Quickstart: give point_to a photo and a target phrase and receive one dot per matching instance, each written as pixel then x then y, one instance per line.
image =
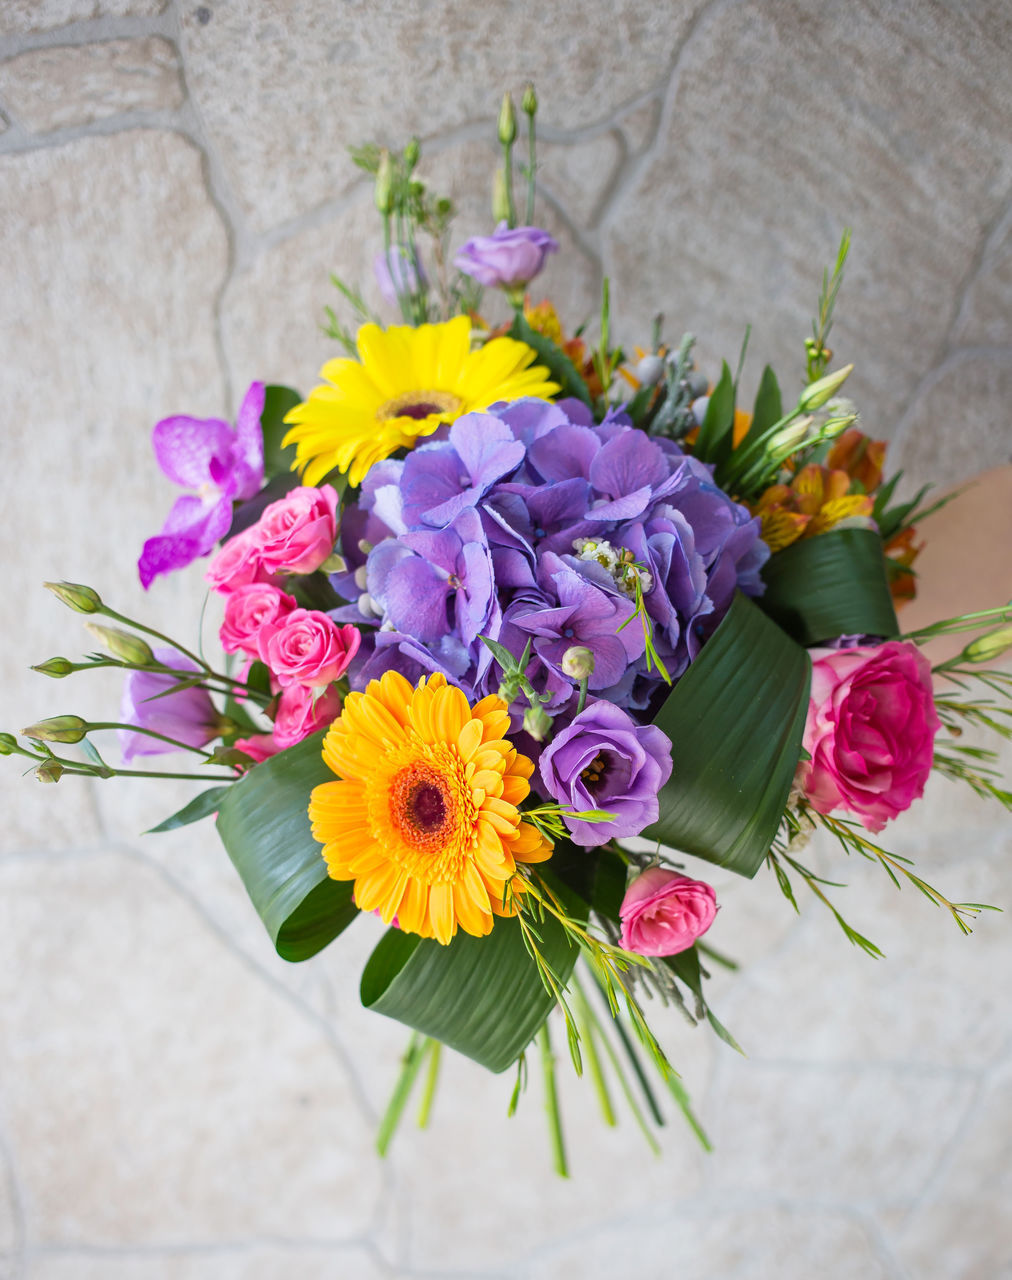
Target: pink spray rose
pixel 247 610
pixel 297 533
pixel 237 564
pixel 300 713
pixel 260 746
pixel 664 912
pixel 870 731
pixel 307 647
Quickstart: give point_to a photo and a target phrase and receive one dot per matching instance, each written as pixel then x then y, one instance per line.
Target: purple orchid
pixel 189 716
pixel 221 464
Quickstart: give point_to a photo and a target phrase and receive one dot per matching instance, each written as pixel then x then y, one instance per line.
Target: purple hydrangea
pixel 507 259
pixel 221 464
pixel 531 523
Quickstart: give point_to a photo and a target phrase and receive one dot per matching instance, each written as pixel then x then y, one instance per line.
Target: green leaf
pixel 768 407
pixel 277 402
pixel 201 806
pixel 831 585
pixel 555 360
pixel 735 721
pixel 264 825
pixel 480 996
pixel 716 434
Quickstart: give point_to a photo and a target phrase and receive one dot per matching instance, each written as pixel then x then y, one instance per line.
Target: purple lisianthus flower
pixel 221 464
pixel 189 716
pixel 507 258
pixel 604 760
pixel 399 273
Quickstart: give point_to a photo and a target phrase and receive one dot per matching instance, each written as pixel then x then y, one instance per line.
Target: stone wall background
pixel 175 1102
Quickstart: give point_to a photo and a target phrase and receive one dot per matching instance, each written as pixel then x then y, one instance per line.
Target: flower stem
pixel 581 701
pixel 149 733
pixel 590 1029
pixel 158 635
pixel 431 1079
pixel 411 1062
pixel 552 1102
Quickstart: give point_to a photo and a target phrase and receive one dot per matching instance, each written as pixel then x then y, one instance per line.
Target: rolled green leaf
pixel 735 720
pixel 831 585
pixel 555 360
pixel 277 402
pixel 480 996
pixel 264 825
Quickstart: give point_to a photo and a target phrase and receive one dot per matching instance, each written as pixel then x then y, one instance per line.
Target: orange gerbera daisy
pixel 425 816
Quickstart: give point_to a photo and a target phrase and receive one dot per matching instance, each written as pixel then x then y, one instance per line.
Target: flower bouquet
pixel 513 622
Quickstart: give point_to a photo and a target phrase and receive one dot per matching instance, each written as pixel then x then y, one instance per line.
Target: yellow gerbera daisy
pixel 424 818
pixel 405 384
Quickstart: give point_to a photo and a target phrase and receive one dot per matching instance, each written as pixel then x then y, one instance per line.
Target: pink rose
pixel 870 731
pixel 247 610
pixel 307 647
pixel 237 564
pixel 664 912
pixel 297 533
pixel 261 746
pixel 300 713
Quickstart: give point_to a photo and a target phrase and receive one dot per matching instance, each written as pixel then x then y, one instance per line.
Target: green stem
pixel 431 1078
pixel 590 1028
pixel 581 701
pixel 411 1061
pixel 630 1097
pixel 552 1102
pixel 531 166
pixel 150 631
pixel 149 733
pixel 637 1066
pixel 507 164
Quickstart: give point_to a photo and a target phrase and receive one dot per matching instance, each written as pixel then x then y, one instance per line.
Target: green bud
pixel 507 121
pixel 411 153
pixel 57 729
pixel 537 722
pixel 55 667
pixel 500 198
pixel 816 395
pixel 790 437
pixel 529 102
pixel 122 644
pixel 987 648
pixel 78 597
pixel 578 662
pixel 49 771
pixel 8 744
pixel 383 193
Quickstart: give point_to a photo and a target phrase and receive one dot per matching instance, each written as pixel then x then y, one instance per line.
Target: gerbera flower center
pixel 419 405
pixel 422 807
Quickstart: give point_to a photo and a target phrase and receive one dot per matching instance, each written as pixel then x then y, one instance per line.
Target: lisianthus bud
pixel 8 744
pixel 507 120
pixel 987 648
pixel 578 662
pixel 383 190
pixel 412 152
pixel 49 771
pixel 121 644
pixel 76 596
pixel 529 102
pixel 537 722
pixel 816 395
pixel 57 729
pixel 55 667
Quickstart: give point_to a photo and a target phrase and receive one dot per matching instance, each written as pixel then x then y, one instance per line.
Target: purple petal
pixel 248 447
pixel 185 446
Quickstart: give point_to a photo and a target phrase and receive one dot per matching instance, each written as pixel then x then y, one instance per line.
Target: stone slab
pixel 284 137
pixel 204 1108
pixel 25 17
pixel 76 84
